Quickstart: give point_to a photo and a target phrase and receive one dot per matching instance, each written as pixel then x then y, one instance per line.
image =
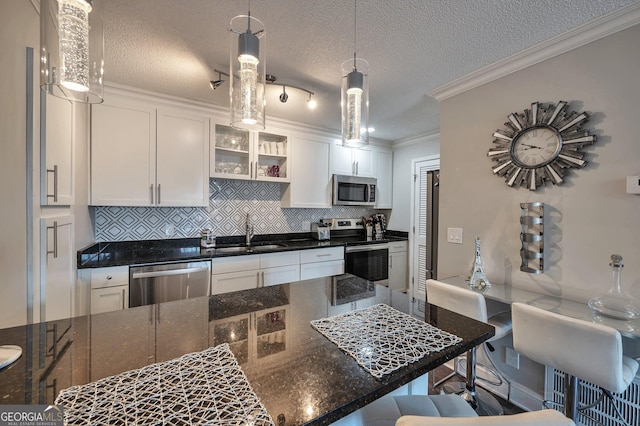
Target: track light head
pixel 283 96
pixel 215 84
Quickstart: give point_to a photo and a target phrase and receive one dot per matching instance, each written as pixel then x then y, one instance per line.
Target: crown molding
pixel 606 25
pixel 414 140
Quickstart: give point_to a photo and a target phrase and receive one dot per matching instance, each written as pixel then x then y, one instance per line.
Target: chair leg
pixel 571 396
pixel 482 401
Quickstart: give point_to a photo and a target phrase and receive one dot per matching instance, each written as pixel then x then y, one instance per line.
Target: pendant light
pixel 248 70
pixel 355 97
pixel 72 49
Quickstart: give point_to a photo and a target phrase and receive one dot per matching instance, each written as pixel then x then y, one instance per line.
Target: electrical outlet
pixel 512 357
pixel 306 225
pixel 454 235
pixel 169 230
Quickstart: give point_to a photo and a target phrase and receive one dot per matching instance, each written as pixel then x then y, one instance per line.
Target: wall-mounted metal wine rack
pixel 532 237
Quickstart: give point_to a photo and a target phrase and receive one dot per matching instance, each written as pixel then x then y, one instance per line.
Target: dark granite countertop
pixel 100 255
pixel 299 375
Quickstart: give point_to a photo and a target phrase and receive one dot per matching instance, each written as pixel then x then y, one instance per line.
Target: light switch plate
pixel 454 235
pixel 633 184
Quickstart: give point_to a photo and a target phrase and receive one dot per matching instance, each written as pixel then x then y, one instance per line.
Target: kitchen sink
pixel 237 249
pixel 268 247
pixel 245 249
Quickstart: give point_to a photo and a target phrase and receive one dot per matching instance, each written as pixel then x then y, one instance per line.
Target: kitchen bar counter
pixel 299 375
pixel 101 255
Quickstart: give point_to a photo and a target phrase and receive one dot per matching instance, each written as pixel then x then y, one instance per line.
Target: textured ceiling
pixel 413 46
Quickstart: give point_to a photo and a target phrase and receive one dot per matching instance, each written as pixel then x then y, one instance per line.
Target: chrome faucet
pixel 249 231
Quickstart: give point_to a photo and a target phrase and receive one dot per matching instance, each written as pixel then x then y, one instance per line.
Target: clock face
pixel 540 145
pixel 536 147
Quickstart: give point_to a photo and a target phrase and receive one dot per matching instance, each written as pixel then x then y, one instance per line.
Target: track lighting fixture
pixel 270 79
pixel 283 96
pixel 216 83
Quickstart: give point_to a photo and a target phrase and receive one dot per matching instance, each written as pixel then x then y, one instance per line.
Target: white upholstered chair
pixel 447 410
pixel 471 304
pixel 580 349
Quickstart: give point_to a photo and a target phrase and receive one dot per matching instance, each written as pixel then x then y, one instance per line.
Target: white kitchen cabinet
pixel 352 161
pixel 109 299
pixel 398 265
pixel 310 185
pixel 384 175
pixel 280 268
pixel 109 289
pixel 57 282
pixel 145 156
pixel 321 262
pixel 56 151
pixel 182 168
pixel 239 154
pixel 252 271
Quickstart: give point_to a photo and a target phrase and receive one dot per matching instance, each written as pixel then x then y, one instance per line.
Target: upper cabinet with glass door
pixel 231 154
pixel 272 157
pixel 239 154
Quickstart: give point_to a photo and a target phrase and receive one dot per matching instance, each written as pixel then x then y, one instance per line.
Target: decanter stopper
pixel 615 303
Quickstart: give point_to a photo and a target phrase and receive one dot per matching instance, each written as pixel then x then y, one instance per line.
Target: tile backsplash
pixel 229 202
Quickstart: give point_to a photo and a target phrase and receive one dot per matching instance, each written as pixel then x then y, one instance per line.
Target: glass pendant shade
pixel 72 49
pixel 355 102
pixel 248 70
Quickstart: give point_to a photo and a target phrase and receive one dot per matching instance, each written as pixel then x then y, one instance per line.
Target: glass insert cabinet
pixel 239 154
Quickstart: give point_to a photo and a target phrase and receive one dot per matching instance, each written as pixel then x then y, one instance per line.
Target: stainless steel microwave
pixel 354 191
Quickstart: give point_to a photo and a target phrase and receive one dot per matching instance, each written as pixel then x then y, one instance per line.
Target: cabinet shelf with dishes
pixel 239 154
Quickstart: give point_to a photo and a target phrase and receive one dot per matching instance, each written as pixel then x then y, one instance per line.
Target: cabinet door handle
pixel 357 167
pixel 323 255
pixel 257 279
pixel 54 252
pixel 55 183
pixel 123 296
pixel 353 167
pixel 262 278
pixel 390 261
pixel 158 197
pixel 151 192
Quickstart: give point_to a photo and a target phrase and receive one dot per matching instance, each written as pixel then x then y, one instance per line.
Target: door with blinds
pixel 426 184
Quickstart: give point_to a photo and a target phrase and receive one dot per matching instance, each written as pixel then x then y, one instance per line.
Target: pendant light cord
pixel 355 29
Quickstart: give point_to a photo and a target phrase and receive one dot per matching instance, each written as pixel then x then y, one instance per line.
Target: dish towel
pixel 382 339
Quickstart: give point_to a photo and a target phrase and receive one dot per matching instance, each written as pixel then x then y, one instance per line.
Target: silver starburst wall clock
pixel 540 145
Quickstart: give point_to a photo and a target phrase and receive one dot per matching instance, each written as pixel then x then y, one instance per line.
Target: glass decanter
pixel 615 303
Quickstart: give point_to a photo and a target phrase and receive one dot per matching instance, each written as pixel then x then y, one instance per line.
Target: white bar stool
pixel 580 349
pixel 471 304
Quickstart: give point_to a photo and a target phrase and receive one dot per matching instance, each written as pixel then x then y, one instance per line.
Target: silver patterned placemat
pixel 382 339
pixel 205 387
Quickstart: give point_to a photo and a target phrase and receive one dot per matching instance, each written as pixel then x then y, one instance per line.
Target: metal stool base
pixel 483 402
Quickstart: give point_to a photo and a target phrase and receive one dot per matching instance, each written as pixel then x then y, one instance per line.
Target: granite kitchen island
pixel 299 375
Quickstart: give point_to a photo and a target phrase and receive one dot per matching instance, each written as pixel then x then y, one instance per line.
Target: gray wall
pixel 592 216
pixel 403 153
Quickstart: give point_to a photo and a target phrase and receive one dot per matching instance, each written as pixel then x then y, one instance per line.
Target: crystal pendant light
pixel 72 49
pixel 248 71
pixel 355 97
pixel 615 303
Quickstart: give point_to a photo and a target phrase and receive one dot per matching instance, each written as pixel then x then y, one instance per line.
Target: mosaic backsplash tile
pixel 229 203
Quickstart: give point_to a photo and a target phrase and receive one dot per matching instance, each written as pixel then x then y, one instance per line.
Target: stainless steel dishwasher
pixel 167 282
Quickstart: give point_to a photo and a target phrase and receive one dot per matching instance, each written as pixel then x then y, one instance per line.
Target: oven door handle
pixel 154 274
pixel 367 247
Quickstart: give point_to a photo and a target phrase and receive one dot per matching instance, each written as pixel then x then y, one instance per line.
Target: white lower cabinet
pixel 398 266
pixel 321 262
pixel 252 271
pixel 109 289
